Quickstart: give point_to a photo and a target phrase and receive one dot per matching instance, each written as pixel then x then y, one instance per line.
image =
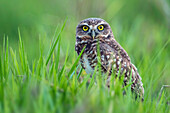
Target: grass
pixel 52 84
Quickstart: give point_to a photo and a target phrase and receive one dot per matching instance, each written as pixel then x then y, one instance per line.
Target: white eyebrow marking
pixel 84 24
pixel 100 23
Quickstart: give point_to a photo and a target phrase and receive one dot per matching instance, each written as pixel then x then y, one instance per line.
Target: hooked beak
pixel 93 34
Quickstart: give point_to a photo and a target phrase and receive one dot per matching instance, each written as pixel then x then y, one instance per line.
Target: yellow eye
pixel 85 28
pixel 100 27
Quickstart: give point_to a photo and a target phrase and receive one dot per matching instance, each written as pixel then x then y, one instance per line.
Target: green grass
pixel 51 83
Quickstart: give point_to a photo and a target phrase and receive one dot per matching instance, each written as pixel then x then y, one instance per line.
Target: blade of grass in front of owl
pixel 112 79
pixel 74 72
pixel 129 88
pixel 92 80
pixel 85 80
pixel 80 72
pixel 99 77
pixel 76 62
pixel 55 43
pixel 74 82
pixel 118 75
pixel 98 57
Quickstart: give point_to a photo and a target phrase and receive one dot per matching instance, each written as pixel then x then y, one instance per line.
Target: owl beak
pixel 93 34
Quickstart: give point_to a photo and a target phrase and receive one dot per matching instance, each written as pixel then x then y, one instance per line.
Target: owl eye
pixel 85 28
pixel 100 27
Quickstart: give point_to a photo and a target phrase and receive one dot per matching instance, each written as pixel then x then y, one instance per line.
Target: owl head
pixel 92 29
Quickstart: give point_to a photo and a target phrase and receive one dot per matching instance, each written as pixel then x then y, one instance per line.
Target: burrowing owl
pixel 92 32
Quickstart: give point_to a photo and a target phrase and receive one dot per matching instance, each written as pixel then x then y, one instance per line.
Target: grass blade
pixel 73 72
pixel 63 68
pixel 80 72
pixel 58 55
pixel 21 52
pixel 1 82
pixel 15 62
pixel 1 76
pixel 55 43
pixel 75 63
pixel 4 64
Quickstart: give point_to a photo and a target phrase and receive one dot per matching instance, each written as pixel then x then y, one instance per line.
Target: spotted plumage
pixel 94 32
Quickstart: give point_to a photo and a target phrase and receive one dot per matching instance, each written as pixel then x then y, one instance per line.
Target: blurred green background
pixel 35 17
pixel 43 16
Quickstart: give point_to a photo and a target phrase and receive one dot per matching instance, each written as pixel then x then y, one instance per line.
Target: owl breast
pixel 86 64
pixel 89 58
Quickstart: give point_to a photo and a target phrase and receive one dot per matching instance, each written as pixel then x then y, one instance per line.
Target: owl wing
pixel 111 58
pixel 117 47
